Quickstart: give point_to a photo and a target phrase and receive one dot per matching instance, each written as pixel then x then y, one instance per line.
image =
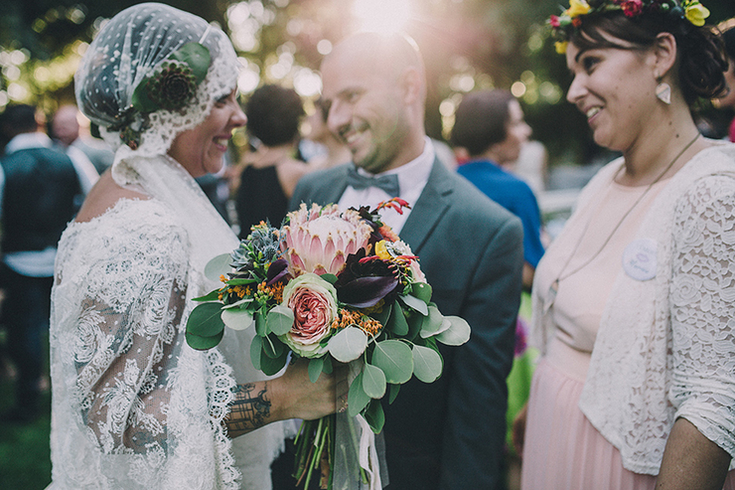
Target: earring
pixel 663 92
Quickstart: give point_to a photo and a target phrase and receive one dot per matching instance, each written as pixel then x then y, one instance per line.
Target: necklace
pixel 554 288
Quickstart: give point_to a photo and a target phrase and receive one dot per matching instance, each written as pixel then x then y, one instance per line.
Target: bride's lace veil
pixel 129 48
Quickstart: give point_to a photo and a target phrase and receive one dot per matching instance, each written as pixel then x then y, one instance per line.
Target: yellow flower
pixel 561 47
pixel 381 251
pixel 577 8
pixel 696 13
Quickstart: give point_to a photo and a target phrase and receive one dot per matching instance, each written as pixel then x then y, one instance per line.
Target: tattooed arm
pixel 292 395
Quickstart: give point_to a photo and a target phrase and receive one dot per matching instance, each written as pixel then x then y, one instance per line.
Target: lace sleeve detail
pixel 702 309
pixel 125 341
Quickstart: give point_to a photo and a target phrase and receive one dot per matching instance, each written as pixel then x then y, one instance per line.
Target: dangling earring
pixel 663 92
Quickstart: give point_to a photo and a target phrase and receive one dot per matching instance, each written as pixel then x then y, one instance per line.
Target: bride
pixel 133 405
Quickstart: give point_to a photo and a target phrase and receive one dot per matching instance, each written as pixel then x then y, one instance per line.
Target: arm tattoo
pixel 249 411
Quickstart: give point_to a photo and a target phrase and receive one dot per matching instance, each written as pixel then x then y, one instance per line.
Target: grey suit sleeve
pixel 474 435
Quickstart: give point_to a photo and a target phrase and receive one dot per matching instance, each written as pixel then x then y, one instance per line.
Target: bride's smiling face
pixel 200 150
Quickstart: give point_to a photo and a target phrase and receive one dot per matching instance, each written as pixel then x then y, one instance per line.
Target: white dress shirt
pixel 412 178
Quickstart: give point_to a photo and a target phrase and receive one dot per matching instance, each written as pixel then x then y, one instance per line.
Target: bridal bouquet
pixel 331 286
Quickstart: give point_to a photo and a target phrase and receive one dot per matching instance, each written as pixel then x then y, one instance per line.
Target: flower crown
pixel 564 25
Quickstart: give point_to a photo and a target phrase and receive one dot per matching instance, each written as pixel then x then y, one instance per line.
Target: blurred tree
pixel 467 44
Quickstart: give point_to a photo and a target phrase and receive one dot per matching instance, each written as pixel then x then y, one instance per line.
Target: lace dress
pixel 625 354
pixel 133 405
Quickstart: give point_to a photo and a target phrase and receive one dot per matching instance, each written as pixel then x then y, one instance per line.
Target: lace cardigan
pixel 666 347
pixel 134 406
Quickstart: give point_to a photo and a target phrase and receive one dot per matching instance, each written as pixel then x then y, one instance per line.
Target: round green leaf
pixel 397 323
pixel 280 319
pixel 427 363
pixel 348 344
pixel 422 291
pixel 272 347
pixel 256 351
pixel 218 266
pixel 203 343
pixel 205 320
pixel 373 381
pixel 237 319
pixel 395 359
pixel 434 324
pixel 140 99
pixel 375 416
pixel 457 334
pixel 414 303
pixel 260 325
pixel 196 56
pixel 273 366
pixel 357 399
pixel 315 368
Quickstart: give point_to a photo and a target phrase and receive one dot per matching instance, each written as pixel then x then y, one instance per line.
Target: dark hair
pixel 274 114
pixel 481 120
pixel 17 119
pixel 728 39
pixel 701 57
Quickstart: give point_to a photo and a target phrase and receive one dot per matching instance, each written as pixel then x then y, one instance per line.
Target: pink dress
pixel 562 450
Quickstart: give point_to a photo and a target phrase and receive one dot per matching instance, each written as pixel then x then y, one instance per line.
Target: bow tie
pixel 389 183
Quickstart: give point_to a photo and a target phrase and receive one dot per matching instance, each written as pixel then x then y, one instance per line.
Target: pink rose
pixel 314 304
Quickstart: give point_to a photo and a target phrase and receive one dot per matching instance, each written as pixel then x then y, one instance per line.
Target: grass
pixel 25 463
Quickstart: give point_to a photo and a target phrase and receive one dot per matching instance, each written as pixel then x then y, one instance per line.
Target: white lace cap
pixel 127 49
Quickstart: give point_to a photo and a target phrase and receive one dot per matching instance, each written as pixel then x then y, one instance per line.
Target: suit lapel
pixel 433 202
pixel 336 186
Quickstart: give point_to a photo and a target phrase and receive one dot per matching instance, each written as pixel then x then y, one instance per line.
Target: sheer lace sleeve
pixel 703 309
pixel 124 341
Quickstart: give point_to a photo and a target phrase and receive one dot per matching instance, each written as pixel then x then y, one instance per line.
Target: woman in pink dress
pixel 634 301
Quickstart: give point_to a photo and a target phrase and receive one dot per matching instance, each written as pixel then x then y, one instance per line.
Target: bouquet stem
pixel 314 450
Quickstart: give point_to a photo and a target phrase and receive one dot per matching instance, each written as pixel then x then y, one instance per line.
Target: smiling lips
pixel 221 142
pixel 592 111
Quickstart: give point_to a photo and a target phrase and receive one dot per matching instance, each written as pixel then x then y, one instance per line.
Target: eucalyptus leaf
pixel 373 381
pixel 237 319
pixel 196 56
pixel 238 304
pixel 211 296
pixel 203 343
pixel 327 368
pixel 271 366
pixel 434 324
pixel 375 416
pixel 393 392
pixel 272 347
pixel 256 351
pixel 140 100
pixel 218 266
pixel 316 367
pixel 395 359
pixel 357 399
pixel 415 303
pixel 280 319
pixel 458 333
pixel 422 291
pixel 397 323
pixel 415 323
pixel 260 324
pixel 205 320
pixel 348 344
pixel 427 363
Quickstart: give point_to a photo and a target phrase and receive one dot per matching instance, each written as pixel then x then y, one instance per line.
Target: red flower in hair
pixel 554 21
pixel 631 8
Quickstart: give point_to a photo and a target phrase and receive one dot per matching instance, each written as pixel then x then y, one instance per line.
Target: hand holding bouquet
pixel 331 286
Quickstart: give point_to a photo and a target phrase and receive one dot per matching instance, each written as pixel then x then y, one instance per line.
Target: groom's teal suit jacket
pixel 450 434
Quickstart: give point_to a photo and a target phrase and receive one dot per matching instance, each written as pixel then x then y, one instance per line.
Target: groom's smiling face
pixel 366 108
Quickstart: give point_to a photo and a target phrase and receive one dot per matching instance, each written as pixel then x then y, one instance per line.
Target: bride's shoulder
pixel 105 196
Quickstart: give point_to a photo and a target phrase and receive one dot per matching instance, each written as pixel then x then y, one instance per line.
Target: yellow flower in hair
pixel 561 47
pixel 696 13
pixel 577 8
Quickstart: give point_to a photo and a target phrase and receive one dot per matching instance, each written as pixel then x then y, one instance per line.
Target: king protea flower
pixel 320 239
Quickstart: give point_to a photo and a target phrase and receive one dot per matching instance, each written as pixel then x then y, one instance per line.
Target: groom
pixel 448 434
